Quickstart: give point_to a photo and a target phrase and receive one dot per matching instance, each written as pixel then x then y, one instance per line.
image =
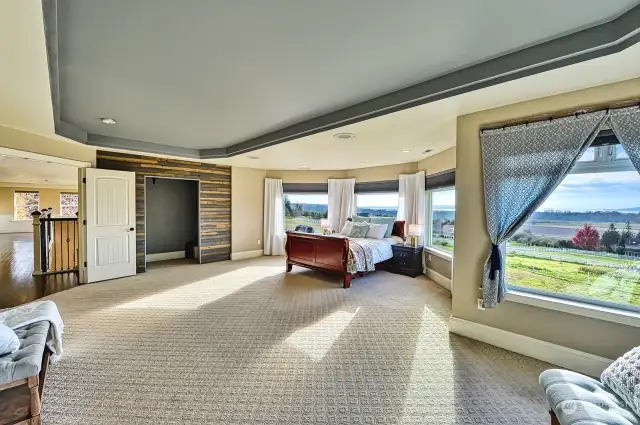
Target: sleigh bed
pixel 349 257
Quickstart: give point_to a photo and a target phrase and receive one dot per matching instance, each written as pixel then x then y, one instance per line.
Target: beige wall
pixel 439 265
pixel 443 161
pixel 382 173
pixel 247 204
pixel 472 242
pixel 53 146
pixel 305 176
pixel 48 198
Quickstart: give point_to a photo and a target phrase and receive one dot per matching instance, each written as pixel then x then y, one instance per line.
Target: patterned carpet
pixel 244 343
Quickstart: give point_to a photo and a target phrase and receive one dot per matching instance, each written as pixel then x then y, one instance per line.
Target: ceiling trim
pixel 14 153
pixel 602 40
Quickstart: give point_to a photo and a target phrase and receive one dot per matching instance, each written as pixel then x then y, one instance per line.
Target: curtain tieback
pixel 496 261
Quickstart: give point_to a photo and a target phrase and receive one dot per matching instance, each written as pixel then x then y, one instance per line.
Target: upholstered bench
pixel 576 399
pixel 22 376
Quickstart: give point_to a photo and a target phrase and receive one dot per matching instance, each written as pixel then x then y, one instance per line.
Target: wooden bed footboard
pixel 318 252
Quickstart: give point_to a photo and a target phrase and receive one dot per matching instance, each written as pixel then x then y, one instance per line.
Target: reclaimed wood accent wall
pixel 215 199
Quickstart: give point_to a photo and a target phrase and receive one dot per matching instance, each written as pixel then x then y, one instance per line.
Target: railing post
pixel 37 246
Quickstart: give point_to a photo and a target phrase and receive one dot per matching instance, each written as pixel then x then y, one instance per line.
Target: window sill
pixel 439 253
pixel 608 314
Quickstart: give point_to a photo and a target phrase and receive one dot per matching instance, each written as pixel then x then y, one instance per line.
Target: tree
pixel 287 207
pixel 610 238
pixel 587 237
pixel 627 234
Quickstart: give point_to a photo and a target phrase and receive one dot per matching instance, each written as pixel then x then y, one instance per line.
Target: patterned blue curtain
pixel 625 124
pixel 522 166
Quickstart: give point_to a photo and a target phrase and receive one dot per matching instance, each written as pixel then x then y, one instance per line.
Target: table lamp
pixel 415 231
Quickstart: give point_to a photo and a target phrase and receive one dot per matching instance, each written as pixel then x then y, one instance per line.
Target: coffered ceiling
pixel 218 79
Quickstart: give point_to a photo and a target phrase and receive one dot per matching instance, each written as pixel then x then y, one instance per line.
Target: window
pixel 583 243
pixel 68 204
pixel 441 216
pixel 377 204
pixel 24 203
pixel 305 209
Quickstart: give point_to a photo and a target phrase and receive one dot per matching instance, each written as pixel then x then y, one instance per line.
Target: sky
pixel 596 191
pixel 578 192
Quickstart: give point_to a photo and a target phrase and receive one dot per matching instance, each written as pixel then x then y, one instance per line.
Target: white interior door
pixel 110 200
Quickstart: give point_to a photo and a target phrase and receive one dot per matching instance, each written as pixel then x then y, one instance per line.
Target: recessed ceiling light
pixel 304 167
pixel 364 163
pixel 252 157
pixel 106 120
pixel 405 151
pixel 344 136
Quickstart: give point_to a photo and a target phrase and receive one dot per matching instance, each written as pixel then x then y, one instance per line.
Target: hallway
pixel 17 285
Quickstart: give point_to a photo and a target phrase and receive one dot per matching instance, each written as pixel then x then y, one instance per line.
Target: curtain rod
pixel 562 114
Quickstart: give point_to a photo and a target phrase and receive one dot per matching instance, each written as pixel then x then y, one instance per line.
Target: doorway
pixel 172 221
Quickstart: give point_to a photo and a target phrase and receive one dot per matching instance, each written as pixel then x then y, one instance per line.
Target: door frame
pixel 146 211
pixel 82 217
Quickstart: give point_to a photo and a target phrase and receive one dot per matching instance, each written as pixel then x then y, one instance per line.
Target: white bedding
pixel 365 253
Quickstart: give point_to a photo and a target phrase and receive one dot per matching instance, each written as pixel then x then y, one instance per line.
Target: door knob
pixel 131 229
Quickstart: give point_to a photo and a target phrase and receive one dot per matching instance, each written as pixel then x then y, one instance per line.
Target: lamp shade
pixel 415 230
pixel 324 223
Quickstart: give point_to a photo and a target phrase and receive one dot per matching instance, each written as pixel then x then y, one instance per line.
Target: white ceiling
pixel 20 171
pixel 212 73
pixel 25 101
pixel 380 141
pixel 25 97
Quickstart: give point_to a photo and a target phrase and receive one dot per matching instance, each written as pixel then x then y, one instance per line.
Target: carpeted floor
pixel 244 343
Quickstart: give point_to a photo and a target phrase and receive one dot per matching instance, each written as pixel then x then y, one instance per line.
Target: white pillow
pixel 623 377
pixel 377 231
pixel 9 341
pixel 346 229
pixel 359 230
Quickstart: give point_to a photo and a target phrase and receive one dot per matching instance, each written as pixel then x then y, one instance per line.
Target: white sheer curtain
pixel 273 217
pixel 341 202
pixel 412 201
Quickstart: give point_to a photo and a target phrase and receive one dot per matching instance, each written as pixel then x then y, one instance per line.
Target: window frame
pixel 77 204
pixel 376 193
pixel 15 203
pixel 301 193
pixel 605 162
pixel 428 245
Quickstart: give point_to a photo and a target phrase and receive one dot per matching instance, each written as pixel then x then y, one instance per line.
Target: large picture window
pixel 25 203
pixel 377 204
pixel 302 209
pixel 583 243
pixel 441 216
pixel 68 204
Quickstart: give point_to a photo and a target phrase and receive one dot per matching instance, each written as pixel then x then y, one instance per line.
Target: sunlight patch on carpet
pixel 316 340
pixel 194 295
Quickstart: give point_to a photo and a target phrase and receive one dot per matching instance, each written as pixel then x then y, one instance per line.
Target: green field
pixel 445 244
pixel 618 285
pixel 290 223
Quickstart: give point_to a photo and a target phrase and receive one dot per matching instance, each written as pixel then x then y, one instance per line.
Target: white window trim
pixel 15 192
pixel 428 233
pixel 593 311
pixel 439 253
pixel 605 162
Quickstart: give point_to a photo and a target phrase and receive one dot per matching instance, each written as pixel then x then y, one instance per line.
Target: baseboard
pixel 246 254
pixel 162 256
pixel 439 279
pixel 559 355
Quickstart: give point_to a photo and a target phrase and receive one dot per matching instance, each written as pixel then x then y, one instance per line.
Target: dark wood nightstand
pixel 407 260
